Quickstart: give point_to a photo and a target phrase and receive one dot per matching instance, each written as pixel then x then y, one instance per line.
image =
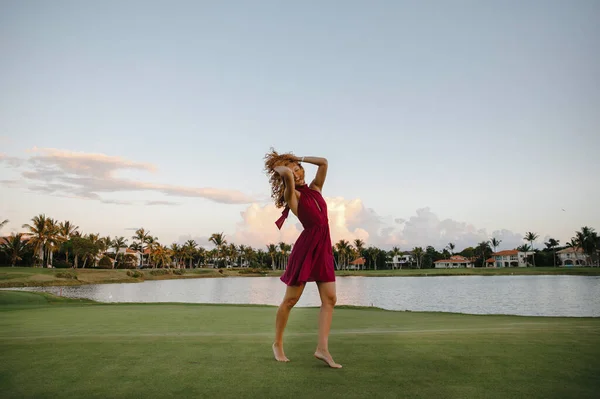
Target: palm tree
pixel 418 254
pixel 359 245
pixel 248 255
pixel 117 244
pixel 551 244
pixel 14 247
pixel 141 236
pixel 495 243
pixel 285 254
pixel 38 234
pixel 219 240
pixel 484 249
pixel 531 237
pixel 53 239
pixel 587 240
pixel 160 255
pixel 66 229
pixel 3 222
pixel 451 247
pixel 394 253
pixel 272 251
pixel 372 253
pixel 342 247
pixel 232 253
pixel 189 248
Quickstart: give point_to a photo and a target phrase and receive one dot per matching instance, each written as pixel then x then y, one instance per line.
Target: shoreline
pixel 14 277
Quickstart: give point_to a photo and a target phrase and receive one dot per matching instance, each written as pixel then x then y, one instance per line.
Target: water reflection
pixel 519 295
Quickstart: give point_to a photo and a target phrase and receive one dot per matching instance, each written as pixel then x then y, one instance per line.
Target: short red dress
pixel 312 255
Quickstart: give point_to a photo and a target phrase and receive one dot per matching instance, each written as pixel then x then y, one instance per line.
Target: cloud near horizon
pixel 87 175
pixel 350 219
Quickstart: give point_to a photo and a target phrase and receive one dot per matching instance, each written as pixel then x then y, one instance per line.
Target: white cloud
pixel 87 175
pixel 350 219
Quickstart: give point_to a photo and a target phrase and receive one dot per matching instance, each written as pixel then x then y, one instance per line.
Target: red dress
pixel 312 255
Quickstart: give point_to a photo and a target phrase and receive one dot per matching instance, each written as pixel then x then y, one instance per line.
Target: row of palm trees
pixel 46 237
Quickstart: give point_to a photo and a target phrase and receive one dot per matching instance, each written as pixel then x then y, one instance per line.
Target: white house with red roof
pixel 572 257
pixel 455 261
pixel 510 258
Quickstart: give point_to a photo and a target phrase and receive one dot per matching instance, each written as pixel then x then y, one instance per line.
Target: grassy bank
pixel 30 276
pixel 55 347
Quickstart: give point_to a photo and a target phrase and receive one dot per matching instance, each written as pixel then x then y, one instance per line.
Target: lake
pixel 577 296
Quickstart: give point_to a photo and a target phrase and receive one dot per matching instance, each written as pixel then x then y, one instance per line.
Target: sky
pixel 442 121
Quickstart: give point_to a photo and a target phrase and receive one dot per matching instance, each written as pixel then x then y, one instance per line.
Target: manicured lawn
pixel 56 347
pixel 30 276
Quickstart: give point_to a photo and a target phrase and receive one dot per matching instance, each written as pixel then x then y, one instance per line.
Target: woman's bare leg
pixel 292 295
pixel 328 300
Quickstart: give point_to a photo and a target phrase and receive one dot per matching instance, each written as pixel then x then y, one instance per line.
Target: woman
pixel 312 256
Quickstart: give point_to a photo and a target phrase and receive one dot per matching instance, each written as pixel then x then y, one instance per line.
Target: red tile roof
pixel 570 251
pixel 359 261
pixel 454 259
pixel 505 253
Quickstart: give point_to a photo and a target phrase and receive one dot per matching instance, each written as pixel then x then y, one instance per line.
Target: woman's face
pixel 297 171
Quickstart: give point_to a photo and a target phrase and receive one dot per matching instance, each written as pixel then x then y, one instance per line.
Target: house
pixel 400 260
pixel 357 264
pixel 573 257
pixel 126 251
pixel 510 258
pixel 454 262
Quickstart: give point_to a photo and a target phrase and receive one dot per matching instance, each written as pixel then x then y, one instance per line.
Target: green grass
pixel 30 276
pixel 56 347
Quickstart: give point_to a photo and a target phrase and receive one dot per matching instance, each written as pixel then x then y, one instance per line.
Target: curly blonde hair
pixel 273 159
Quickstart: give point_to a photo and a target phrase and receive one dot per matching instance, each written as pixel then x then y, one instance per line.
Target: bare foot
pixel 326 357
pixel 279 355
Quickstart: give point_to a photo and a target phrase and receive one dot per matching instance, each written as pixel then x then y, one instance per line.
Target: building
pixel 455 261
pixel 398 261
pixel 572 257
pixel 357 264
pixel 510 258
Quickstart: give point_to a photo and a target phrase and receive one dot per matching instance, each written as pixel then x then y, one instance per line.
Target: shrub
pixel 67 275
pixel 129 261
pixel 179 272
pixel 252 270
pixel 105 263
pixel 61 264
pixel 135 273
pixel 160 272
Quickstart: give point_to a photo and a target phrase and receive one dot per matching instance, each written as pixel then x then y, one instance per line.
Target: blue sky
pixel 441 120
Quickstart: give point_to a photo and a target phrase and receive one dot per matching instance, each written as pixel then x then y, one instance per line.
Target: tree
pixel 483 249
pixel 14 247
pixel 117 244
pixel 418 255
pixel 66 229
pixel 85 248
pixel 551 244
pixel 189 248
pixel 38 235
pixel 359 245
pixel 495 243
pixel 372 253
pixel 3 222
pixel 141 235
pixel 587 240
pixel 272 252
pixel 343 249
pixel 219 240
pixel 451 247
pixel 531 237
pixel 394 253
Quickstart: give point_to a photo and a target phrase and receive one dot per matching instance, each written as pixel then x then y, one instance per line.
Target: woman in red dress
pixel 312 255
